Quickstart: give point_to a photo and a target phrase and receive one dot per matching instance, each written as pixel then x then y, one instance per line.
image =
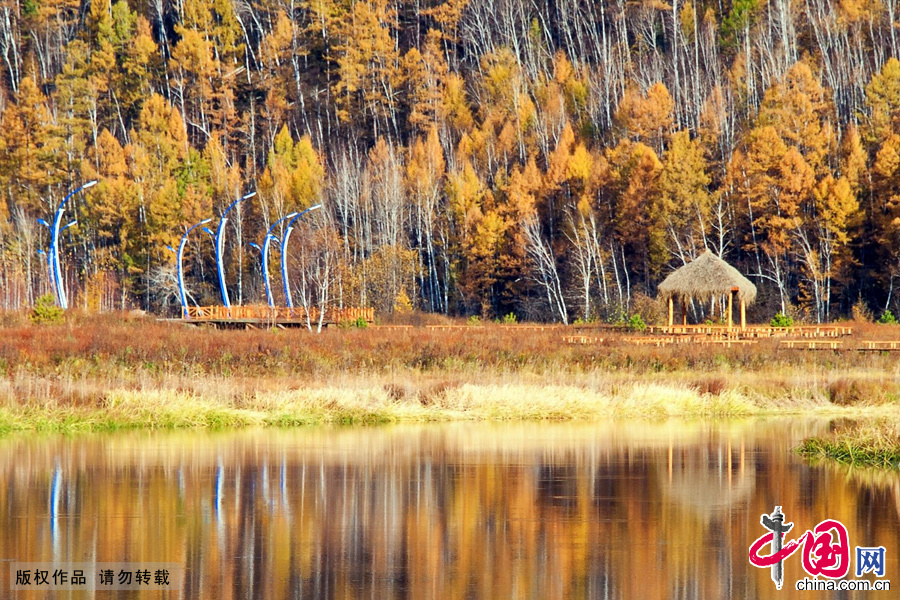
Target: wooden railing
pixel 275 314
pixel 892 345
pixel 813 344
pixel 582 339
pixel 755 331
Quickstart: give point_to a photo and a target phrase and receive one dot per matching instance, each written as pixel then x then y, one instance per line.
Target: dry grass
pixel 113 372
pixel 368 404
pixel 159 409
pixel 111 345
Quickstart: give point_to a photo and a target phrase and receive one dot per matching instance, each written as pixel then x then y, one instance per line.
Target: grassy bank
pixel 166 409
pixel 107 372
pixel 871 445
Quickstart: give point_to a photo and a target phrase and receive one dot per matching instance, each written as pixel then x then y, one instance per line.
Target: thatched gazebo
pixel 703 279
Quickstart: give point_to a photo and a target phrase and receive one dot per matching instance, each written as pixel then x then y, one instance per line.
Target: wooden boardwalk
pixel 880 346
pixel 813 344
pixel 582 339
pixel 754 331
pixel 267 316
pixel 806 337
pixel 687 340
pixel 802 337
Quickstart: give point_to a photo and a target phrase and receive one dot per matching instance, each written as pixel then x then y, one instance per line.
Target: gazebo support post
pixel 671 312
pixel 730 309
pixel 743 314
pixel 684 311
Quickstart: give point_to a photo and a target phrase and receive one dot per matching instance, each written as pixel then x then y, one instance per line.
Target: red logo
pixel 826 548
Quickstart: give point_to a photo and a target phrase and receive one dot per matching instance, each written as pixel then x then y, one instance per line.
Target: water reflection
pixel 613 510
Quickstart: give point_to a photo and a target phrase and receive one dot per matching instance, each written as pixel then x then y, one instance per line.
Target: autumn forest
pixel 553 160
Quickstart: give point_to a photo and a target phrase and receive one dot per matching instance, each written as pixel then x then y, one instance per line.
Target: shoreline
pixel 379 404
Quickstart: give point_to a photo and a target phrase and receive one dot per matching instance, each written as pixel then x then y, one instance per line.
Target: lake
pixel 526 510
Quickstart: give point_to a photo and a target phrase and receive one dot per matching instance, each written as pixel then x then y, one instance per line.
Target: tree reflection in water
pixel 620 510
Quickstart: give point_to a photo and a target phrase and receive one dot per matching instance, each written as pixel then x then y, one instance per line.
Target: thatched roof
pixel 706 277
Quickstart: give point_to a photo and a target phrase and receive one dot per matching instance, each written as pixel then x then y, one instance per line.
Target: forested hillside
pixel 554 159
